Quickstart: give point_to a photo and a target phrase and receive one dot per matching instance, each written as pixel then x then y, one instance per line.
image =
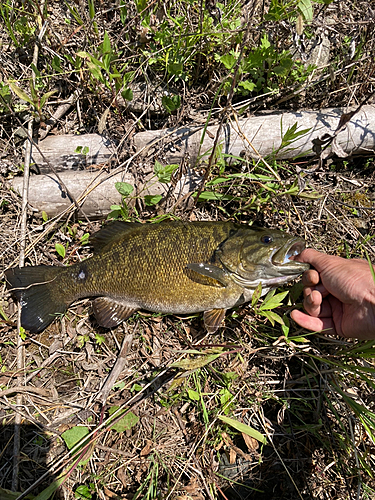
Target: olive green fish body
pixel 173 267
pixel 148 269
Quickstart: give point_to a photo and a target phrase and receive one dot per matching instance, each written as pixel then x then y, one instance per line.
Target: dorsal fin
pixel 111 233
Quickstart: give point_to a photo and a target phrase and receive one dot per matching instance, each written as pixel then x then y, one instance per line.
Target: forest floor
pixel 258 410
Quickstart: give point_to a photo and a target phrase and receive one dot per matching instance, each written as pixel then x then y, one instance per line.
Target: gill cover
pixel 257 255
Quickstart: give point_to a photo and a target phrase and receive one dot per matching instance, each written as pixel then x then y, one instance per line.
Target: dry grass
pixel 310 395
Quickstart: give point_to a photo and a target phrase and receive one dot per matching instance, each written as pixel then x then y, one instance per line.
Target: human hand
pixel 339 296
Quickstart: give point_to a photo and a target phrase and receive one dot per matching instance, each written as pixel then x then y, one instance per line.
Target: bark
pixel 251 137
pixel 262 136
pixel 61 152
pixel 46 193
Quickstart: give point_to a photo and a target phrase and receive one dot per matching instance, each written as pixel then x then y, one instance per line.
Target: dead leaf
pixel 147 449
pixel 109 494
pixel 251 443
pixel 232 456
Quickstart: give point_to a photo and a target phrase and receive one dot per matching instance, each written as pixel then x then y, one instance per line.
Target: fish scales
pixel 148 269
pixel 172 267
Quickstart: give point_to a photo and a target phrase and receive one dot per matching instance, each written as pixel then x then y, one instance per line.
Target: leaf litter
pixel 305 401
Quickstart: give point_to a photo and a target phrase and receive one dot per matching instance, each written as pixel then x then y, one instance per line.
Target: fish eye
pixel 266 239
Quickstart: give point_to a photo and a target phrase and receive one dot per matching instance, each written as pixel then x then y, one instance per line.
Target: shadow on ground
pixel 32 460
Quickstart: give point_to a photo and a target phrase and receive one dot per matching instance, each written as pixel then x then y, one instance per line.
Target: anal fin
pixel 110 313
pixel 213 319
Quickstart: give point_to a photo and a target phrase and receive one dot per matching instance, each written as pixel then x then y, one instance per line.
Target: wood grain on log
pixel 46 193
pixel 262 135
pixel 61 152
pixel 254 136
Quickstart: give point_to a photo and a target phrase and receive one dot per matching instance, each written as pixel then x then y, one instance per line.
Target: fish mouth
pixel 286 254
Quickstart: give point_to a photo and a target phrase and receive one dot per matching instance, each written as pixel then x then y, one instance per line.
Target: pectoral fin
pixel 213 319
pixel 210 271
pixel 109 313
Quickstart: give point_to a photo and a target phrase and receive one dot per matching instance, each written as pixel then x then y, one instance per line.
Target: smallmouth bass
pixel 171 267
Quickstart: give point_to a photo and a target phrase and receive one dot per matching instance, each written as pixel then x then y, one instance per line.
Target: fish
pixel 171 267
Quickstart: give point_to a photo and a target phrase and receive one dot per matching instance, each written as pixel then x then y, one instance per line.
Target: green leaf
pixel 193 395
pixel 151 200
pixel 127 421
pixel 123 11
pixel 175 68
pixel 211 196
pixel 46 96
pixel 106 45
pixel 164 173
pixel 136 388
pixel 84 238
pixel 306 9
pixel 20 93
pixel 60 249
pixel 56 64
pixel 127 94
pixel 127 78
pixel 256 295
pixel 4 316
pixel 95 71
pixel 272 301
pixel 171 103
pixel 50 490
pixel 83 55
pixel 371 266
pixel 124 188
pixel 265 44
pixel 119 385
pixel 194 364
pixel 33 92
pixel 83 492
pixel 273 317
pixel 225 397
pixel 99 339
pixel 228 60
pixel 286 326
pixel 247 85
pixel 23 333
pixel 44 216
pixel 82 150
pixel 246 429
pixel 74 435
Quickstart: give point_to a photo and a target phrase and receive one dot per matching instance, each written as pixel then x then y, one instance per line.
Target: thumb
pixel 317 259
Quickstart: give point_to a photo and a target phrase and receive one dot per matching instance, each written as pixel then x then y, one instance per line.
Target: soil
pixel 295 391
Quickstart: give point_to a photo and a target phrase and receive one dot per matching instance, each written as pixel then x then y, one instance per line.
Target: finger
pixel 317 306
pixel 319 288
pixel 313 324
pixel 312 303
pixel 316 259
pixel 310 277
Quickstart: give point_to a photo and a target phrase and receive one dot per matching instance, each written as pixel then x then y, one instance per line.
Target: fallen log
pixel 71 152
pixel 94 191
pixel 262 136
pixel 253 137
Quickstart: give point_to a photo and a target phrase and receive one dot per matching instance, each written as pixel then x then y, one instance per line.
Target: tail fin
pixel 37 290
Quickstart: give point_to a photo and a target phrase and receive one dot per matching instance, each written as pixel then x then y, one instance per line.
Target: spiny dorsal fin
pixel 213 319
pixel 109 313
pixel 111 233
